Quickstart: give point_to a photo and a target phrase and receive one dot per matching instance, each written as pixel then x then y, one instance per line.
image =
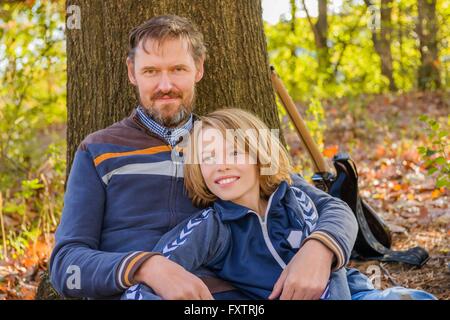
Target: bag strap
pixel 416 256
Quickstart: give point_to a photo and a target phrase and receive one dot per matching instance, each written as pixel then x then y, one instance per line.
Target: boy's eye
pixel 209 160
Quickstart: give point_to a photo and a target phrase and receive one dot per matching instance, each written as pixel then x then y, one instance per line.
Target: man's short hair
pixel 168 27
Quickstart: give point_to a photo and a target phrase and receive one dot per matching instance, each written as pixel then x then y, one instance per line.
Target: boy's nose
pixel 223 165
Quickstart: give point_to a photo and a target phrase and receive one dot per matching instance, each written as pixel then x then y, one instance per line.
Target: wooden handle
pixel 312 148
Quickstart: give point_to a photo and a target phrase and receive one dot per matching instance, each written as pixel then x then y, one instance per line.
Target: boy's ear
pixel 130 68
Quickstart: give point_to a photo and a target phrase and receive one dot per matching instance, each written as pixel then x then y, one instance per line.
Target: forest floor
pixel 381 133
pixel 382 138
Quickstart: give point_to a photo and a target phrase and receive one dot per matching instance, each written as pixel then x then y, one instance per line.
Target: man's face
pixel 165 76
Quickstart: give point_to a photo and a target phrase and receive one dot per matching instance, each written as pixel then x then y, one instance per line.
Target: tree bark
pixel 236 69
pixel 320 31
pixel 293 5
pixel 427 29
pixel 382 41
pixel 322 37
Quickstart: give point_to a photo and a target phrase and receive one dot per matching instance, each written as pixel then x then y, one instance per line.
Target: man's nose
pixel 165 83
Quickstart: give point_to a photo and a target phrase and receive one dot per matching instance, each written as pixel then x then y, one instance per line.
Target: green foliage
pixel 435 156
pixel 32 118
pixel 355 65
pixel 315 121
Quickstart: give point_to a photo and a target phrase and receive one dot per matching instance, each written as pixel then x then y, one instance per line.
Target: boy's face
pixel 165 75
pixel 229 172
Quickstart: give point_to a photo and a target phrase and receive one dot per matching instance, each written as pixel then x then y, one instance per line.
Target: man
pixel 125 191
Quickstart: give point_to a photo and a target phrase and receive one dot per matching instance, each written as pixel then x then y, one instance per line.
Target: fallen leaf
pixel 380 151
pixel 423 216
pixel 331 151
pixel 396 228
pixel 436 193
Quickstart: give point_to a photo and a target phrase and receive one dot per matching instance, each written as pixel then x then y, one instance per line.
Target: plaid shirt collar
pixel 171 135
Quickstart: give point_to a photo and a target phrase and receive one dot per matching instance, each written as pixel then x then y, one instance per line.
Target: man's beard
pixel 183 113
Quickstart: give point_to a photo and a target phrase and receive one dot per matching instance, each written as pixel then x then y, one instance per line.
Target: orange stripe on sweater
pixel 130 266
pixel 110 155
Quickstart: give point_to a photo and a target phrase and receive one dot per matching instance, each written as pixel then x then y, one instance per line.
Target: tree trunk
pixel 322 37
pixel 427 29
pixel 236 68
pixel 320 31
pixel 385 43
pixel 382 41
pixel 99 93
pixel 293 6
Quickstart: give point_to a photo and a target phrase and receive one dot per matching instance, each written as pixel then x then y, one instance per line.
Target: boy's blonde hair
pixel 236 119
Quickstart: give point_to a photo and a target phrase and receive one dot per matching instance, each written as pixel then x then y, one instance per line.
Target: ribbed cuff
pixel 128 266
pixel 331 244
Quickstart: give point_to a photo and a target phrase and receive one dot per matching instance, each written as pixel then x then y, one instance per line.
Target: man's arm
pixel 307 274
pixel 77 267
pixel 336 227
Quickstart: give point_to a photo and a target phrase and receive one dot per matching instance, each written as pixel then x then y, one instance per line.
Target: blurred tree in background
pixel 427 30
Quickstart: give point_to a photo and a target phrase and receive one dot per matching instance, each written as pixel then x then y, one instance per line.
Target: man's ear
pixel 200 69
pixel 130 67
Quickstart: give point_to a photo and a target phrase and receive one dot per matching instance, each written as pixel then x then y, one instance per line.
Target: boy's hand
pixel 171 281
pixel 307 274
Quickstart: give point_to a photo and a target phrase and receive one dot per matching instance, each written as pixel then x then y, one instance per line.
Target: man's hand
pixel 171 281
pixel 307 274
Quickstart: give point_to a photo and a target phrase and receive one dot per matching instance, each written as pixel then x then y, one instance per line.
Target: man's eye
pixel 179 69
pixel 150 72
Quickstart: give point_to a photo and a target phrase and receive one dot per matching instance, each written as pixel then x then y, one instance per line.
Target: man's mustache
pixel 170 94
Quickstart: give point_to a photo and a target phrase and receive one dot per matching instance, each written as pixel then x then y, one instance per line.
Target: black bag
pixel 374 238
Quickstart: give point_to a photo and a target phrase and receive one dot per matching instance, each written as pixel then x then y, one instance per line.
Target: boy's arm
pixel 336 227
pixel 77 267
pixel 196 242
